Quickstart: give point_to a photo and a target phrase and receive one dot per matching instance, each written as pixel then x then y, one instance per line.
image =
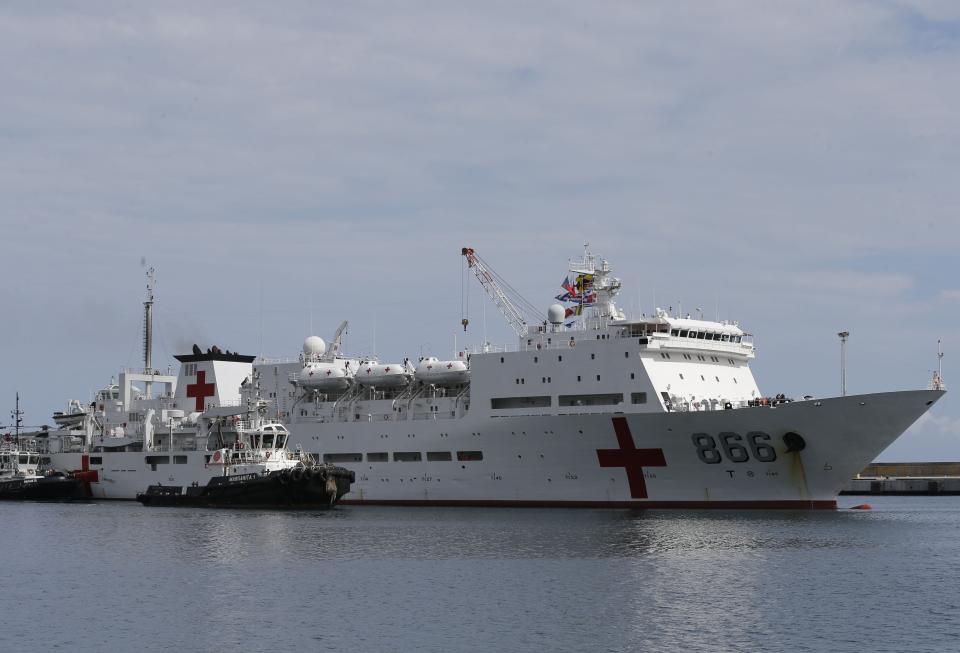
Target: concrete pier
pixel 933 478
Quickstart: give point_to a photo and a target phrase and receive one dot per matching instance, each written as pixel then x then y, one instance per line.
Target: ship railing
pixel 263 360
pixel 719 404
pixel 166 448
pixel 707 345
pixel 147 371
pixel 439 415
pixel 25 446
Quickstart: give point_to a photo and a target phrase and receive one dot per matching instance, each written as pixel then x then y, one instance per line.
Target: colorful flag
pixel 584 283
pixel 569 288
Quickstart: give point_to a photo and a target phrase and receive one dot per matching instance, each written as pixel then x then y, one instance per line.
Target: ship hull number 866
pixel 734 447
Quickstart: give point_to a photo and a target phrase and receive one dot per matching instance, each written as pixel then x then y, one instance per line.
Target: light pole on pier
pixel 843 362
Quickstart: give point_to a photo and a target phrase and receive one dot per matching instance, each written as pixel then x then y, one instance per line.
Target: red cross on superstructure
pixel 201 389
pixel 631 458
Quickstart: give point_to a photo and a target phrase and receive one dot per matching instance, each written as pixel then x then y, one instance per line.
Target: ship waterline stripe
pixel 787 504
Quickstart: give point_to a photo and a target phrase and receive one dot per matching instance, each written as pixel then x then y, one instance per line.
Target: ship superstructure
pixel 590 407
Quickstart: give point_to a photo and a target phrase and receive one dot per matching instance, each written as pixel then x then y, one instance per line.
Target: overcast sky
pixel 795 164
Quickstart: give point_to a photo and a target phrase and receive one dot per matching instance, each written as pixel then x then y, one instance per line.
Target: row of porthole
pixel 702 378
pixel 536 359
pixel 384 436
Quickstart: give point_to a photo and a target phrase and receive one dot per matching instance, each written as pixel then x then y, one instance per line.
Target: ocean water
pixel 120 577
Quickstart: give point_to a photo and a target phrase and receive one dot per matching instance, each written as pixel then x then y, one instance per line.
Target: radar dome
pixel 314 346
pixel 556 313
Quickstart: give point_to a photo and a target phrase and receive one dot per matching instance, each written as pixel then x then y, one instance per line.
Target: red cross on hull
pixel 631 458
pixel 201 389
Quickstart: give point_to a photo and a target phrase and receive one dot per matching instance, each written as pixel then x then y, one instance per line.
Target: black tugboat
pixel 300 486
pixel 54 487
pixel 20 475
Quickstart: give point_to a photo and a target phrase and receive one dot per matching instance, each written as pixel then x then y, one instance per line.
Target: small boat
pixel 303 486
pixel 21 478
pixel 72 417
pixel 437 372
pixel 383 375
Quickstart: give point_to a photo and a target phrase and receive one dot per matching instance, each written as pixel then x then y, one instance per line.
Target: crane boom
pixel 497 290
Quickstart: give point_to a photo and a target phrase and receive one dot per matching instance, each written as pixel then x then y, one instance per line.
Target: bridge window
pixel 501 403
pixel 439 456
pixel 179 460
pixel 342 457
pixel 407 456
pixel 638 397
pixel 675 332
pixel 96 460
pixel 469 455
pixel 377 457
pixel 611 399
pixel 683 333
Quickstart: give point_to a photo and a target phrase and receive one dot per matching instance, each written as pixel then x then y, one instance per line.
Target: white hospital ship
pixel 590 408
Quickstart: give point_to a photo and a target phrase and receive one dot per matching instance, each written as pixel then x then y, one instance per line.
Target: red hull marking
pixel 631 458
pixel 86 474
pixel 773 504
pixel 201 389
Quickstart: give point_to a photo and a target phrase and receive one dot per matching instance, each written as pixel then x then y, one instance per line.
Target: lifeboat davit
pixel 383 375
pixel 324 376
pixel 437 372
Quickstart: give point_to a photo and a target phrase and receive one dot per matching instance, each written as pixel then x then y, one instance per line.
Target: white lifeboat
pixel 437 372
pixel 324 376
pixel 383 375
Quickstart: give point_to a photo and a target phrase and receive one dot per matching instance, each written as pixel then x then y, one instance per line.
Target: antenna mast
pixel 515 309
pixel 937 382
pixel 17 416
pixel 148 331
